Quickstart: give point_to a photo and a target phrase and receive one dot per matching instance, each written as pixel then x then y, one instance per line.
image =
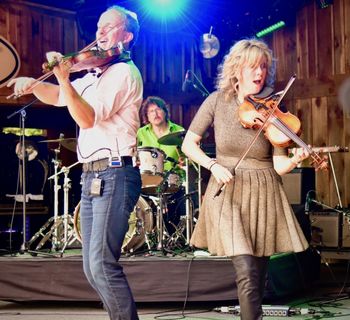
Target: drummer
pixel 155 115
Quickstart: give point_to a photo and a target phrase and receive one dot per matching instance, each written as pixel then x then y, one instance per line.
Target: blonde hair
pixel 248 51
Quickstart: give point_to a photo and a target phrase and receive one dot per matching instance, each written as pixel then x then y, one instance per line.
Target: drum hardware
pixel 60 238
pixel 173 138
pixel 68 143
pixel 161 205
pixel 151 168
pixel 177 239
pixel 189 213
pixel 176 139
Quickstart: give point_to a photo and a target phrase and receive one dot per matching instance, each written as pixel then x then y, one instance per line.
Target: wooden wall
pixel 34 30
pixel 316 49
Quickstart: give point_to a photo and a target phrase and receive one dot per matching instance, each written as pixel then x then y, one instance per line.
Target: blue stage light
pixel 164 9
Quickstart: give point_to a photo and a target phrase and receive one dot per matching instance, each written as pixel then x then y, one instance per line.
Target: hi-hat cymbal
pixel 173 138
pixel 68 143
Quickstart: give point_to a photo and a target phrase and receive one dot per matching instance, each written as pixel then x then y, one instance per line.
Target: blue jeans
pixel 104 222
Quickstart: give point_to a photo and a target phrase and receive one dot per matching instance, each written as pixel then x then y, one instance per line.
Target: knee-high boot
pixel 250 279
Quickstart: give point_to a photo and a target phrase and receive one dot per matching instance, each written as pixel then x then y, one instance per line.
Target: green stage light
pixel 270 29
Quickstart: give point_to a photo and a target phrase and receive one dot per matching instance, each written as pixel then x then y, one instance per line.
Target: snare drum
pixel 151 168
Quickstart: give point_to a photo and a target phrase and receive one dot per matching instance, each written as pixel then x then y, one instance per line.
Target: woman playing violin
pixel 251 219
pixel 105 106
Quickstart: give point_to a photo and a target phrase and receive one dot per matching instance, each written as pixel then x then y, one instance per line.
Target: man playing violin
pixel 251 219
pixel 105 106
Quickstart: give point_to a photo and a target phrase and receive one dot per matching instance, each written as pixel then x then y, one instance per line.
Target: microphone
pixel 307 205
pixel 308 201
pixel 187 82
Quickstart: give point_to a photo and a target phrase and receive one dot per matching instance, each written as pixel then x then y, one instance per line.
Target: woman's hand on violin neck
pixel 22 85
pixel 221 174
pixel 297 155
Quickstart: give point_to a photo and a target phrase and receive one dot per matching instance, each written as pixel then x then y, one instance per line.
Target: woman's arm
pixel 190 147
pixel 284 164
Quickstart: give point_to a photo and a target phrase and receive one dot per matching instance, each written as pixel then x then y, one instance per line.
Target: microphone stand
pixel 23 114
pixel 200 87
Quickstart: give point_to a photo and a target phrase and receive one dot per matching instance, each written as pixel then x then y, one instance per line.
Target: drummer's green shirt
pixel 147 138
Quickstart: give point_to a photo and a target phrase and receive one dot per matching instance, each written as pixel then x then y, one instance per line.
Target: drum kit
pixel 149 224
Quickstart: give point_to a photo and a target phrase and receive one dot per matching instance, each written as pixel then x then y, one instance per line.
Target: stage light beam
pixel 164 9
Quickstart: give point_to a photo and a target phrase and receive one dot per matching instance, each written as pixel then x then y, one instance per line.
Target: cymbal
pixel 68 143
pixel 173 138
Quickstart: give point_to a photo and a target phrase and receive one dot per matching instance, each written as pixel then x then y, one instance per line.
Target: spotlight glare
pixel 164 8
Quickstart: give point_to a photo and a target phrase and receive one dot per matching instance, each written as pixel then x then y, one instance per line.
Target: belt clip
pixel 115 162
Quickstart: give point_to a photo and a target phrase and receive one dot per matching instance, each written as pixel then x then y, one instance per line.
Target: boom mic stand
pixel 196 84
pixel 23 114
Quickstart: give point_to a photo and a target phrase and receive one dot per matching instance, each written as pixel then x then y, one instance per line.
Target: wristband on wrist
pixel 210 163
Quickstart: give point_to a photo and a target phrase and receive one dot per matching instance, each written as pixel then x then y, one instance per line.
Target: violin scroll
pixel 318 162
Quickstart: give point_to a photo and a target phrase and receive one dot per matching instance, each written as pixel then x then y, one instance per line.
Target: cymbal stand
pixel 189 212
pixel 199 182
pixel 67 218
pixel 56 188
pixel 160 223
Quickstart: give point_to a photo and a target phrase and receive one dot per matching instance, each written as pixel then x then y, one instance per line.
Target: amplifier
pixel 297 183
pixel 330 229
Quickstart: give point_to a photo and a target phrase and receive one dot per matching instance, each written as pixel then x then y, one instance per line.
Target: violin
pixel 89 59
pixel 261 112
pixel 280 128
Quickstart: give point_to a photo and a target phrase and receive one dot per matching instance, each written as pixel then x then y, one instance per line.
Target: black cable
pixel 182 314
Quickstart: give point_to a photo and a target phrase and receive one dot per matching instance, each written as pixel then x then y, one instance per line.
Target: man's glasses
pixel 154 111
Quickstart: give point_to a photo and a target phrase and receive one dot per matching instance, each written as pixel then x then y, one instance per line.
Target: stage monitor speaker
pixel 298 183
pixel 330 229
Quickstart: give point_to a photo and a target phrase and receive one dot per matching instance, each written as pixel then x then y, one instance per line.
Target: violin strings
pixel 286 130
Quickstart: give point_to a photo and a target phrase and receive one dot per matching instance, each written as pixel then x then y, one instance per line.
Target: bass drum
pixel 140 223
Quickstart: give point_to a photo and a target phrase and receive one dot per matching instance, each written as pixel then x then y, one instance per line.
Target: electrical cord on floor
pixel 182 314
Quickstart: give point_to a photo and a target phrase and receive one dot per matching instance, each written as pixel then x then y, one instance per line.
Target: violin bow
pixel 261 128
